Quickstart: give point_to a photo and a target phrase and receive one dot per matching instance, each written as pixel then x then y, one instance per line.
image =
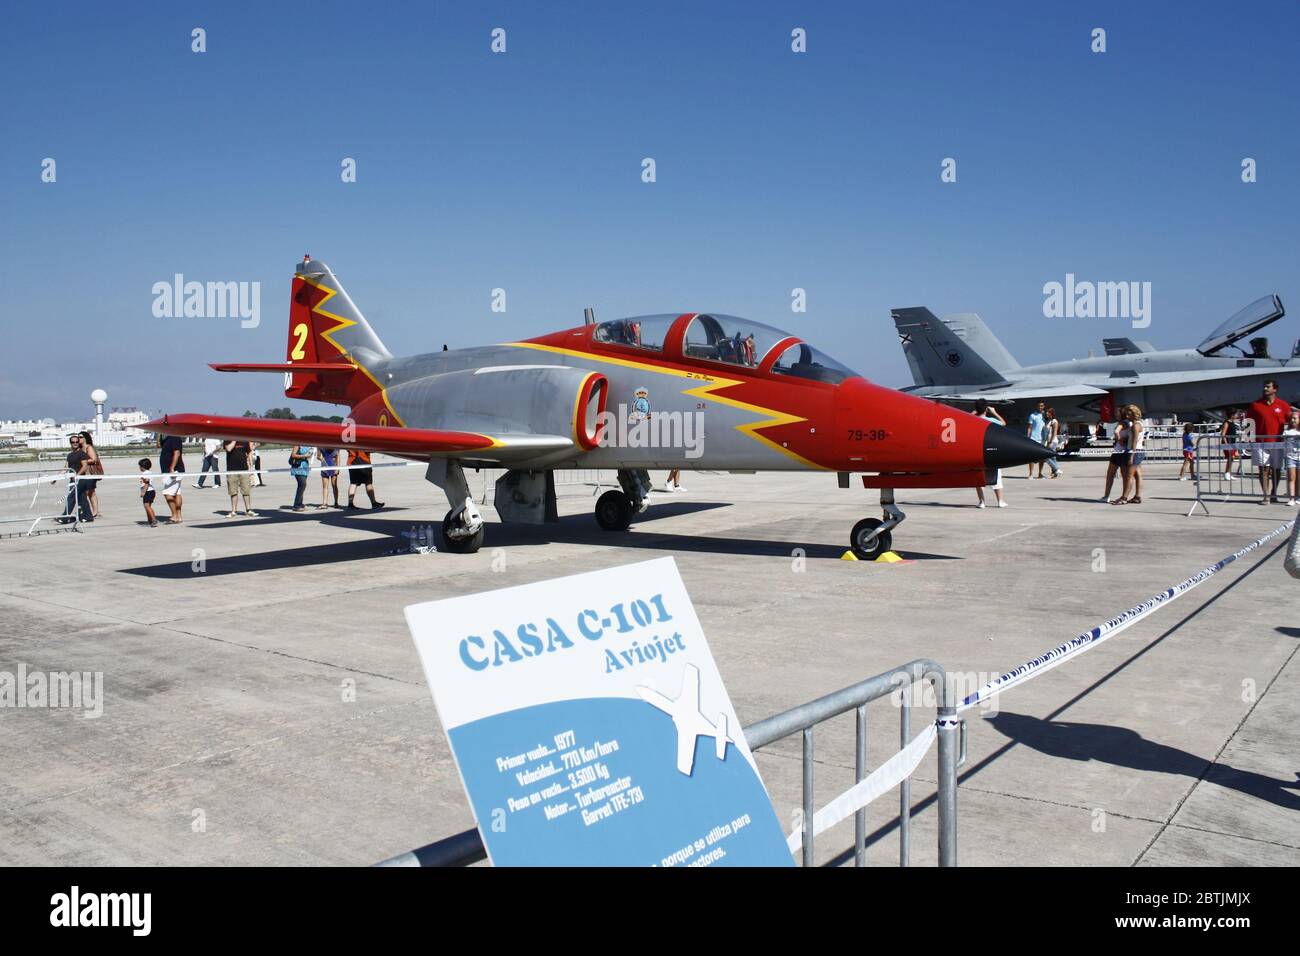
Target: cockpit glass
pixel 638 331
pixel 803 361
pixel 726 338
pixel 1258 314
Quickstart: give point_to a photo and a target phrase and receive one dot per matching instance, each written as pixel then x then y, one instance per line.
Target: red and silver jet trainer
pixel 680 390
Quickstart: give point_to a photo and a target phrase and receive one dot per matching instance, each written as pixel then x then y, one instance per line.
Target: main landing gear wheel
pixel 462 545
pixel 614 511
pixel 866 548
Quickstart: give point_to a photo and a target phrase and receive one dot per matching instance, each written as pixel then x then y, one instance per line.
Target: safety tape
pixel 1102 632
pixel 901 766
pixel 1292 560
pixel 881 780
pixel 155 475
pixel 52 478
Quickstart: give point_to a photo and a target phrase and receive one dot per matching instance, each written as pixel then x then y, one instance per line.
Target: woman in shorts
pixel 1137 437
pixel 1189 454
pixel 93 467
pixel 329 476
pixel 1119 457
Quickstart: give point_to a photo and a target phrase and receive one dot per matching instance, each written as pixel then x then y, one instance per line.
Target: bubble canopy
pixel 1263 311
pixel 715 338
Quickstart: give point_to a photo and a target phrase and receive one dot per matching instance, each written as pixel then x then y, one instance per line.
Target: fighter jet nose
pixel 1004 448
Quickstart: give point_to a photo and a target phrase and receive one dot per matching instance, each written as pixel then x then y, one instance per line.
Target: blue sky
pixel 522 170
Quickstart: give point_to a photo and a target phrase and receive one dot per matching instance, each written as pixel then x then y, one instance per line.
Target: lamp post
pixel 99 397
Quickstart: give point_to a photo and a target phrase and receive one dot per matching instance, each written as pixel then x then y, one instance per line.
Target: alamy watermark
pixel 208 300
pixel 1098 300
pixel 70 690
pixel 636 427
pixel 961 684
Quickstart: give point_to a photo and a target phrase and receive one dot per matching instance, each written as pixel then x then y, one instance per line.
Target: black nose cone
pixel 1004 448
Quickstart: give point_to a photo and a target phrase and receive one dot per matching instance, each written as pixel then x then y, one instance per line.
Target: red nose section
pixel 879 429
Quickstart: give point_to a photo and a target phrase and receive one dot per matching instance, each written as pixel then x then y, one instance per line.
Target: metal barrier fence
pixel 28 498
pixel 581 479
pixel 1230 470
pixel 1161 443
pixel 466 847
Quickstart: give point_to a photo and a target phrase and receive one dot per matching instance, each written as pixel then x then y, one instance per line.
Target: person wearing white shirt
pixel 210 448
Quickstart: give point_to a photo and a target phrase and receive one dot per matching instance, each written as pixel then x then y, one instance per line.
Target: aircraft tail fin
pixel 957 350
pixel 326 327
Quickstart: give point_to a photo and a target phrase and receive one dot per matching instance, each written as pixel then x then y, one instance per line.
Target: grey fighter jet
pixel 959 361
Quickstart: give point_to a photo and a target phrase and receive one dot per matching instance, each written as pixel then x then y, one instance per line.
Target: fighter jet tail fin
pixel 958 350
pixel 325 326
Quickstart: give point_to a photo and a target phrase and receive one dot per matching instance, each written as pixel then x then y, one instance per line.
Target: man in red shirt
pixel 1269 414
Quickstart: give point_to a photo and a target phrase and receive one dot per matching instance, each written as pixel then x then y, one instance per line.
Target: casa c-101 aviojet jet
pixel 678 390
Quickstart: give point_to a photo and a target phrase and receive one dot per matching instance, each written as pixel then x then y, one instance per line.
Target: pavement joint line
pixel 129 776
pixel 1214 761
pixel 292 657
pixel 930 783
pixel 1236 836
pixel 68 607
pixel 164 625
pixel 1007 534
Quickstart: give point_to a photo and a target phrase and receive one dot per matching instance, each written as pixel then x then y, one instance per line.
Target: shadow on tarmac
pixel 1048 725
pixel 1123 747
pixel 570 529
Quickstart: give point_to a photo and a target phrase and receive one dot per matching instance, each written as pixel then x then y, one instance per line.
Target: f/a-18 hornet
pixel 678 390
pixel 957 359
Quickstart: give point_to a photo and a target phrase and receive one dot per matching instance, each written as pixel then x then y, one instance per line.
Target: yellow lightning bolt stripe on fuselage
pixel 343 323
pixel 708 389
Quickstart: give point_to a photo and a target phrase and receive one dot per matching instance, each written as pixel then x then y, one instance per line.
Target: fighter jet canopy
pixel 1252 318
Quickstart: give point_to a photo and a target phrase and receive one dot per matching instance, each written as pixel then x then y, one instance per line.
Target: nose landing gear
pixel 462 528
pixel 871 537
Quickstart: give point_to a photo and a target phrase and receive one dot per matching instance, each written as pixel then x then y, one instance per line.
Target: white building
pixel 47 433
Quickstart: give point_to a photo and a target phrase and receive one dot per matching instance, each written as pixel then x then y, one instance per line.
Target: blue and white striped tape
pixel 1091 638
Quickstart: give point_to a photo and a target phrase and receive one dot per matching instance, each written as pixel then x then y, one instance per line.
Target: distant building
pixel 49 433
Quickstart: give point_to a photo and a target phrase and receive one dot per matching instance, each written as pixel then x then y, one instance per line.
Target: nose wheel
pixel 459 539
pixel 872 537
pixel 867 541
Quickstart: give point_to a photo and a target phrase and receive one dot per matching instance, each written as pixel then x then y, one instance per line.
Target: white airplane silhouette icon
pixel 690 722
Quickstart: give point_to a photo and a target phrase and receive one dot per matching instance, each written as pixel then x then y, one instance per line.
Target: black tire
pixel 614 511
pixel 467 545
pixel 869 551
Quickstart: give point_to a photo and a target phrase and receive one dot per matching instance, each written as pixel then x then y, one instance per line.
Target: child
pixel 1291 455
pixel 147 493
pixel 1189 454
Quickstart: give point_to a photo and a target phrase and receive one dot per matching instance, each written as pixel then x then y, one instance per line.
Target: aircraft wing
pixel 1209 375
pixel 1016 393
pixel 409 442
pixel 685 750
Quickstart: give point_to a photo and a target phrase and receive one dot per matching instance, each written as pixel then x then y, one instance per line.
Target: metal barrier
pixel 1227 470
pixel 30 497
pixel 466 847
pixel 1161 443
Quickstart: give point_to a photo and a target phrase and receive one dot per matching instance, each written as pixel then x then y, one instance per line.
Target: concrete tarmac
pixel 264 705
